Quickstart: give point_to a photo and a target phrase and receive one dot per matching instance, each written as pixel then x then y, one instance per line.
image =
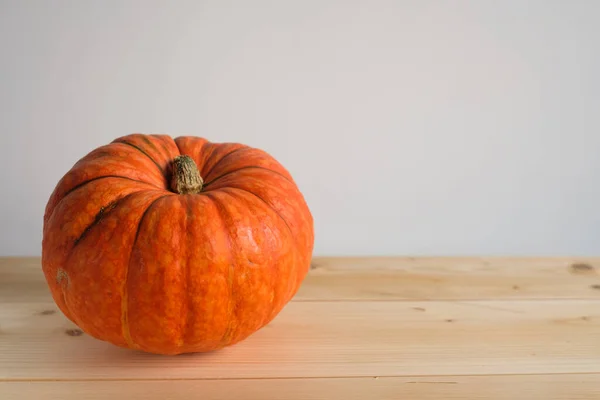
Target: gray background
pixel 412 127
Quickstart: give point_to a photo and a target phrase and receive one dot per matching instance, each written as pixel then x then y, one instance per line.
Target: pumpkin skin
pixel 133 263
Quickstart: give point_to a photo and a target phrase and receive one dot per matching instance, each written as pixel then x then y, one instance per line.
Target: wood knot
pixel 47 312
pixel 582 268
pixel 74 332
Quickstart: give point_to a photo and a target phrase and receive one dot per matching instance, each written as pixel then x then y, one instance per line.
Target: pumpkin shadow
pixel 117 354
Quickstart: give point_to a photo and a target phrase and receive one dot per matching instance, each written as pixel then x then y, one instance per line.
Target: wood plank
pixel 526 387
pixel 327 339
pixel 393 278
pixel 451 278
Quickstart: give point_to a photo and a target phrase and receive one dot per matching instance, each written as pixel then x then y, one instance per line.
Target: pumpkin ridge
pixel 222 158
pixel 146 139
pixel 104 210
pixel 227 334
pixel 50 213
pixel 160 143
pixel 268 205
pixel 163 146
pixel 79 185
pixel 294 246
pixel 124 290
pixel 209 149
pixel 71 250
pixel 162 170
pixel 293 237
pixel 247 167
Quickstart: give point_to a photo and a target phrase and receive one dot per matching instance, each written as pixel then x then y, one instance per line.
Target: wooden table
pixel 360 328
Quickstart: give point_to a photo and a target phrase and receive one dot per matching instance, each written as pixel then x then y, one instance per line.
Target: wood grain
pixel 516 387
pixel 499 327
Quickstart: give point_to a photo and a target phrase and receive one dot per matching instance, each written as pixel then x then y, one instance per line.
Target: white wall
pixel 412 127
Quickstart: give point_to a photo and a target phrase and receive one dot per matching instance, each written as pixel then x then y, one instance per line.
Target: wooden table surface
pixel 359 328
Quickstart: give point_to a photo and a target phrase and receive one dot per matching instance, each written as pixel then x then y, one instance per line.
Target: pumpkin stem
pixel 186 178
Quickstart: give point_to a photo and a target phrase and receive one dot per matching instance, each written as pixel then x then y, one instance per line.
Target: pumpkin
pixel 173 246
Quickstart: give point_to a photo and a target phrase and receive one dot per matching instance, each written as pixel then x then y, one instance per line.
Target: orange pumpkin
pixel 173 246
